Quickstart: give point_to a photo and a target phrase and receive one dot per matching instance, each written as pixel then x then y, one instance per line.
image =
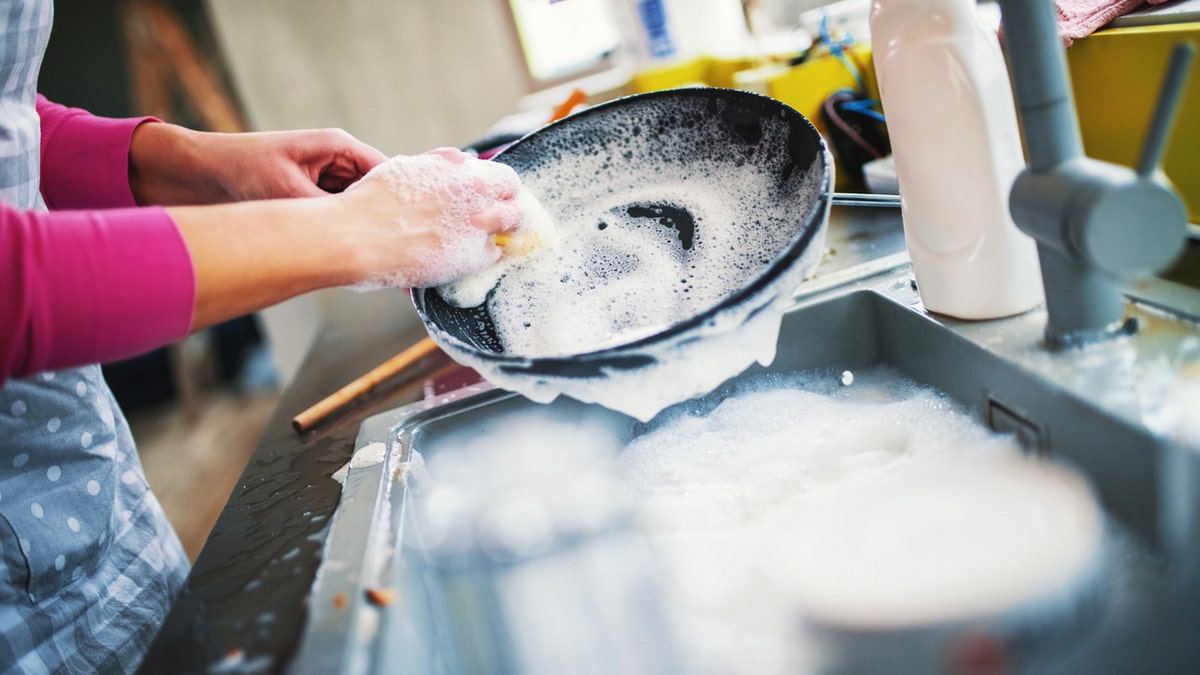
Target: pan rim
pixel 813 223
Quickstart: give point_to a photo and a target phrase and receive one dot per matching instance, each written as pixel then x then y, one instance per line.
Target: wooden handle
pixel 384 371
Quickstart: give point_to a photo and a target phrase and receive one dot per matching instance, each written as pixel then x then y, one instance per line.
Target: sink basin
pixel 1103 410
pixel 1186 268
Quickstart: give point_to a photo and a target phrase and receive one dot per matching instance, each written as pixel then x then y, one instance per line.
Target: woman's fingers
pixel 441 215
pixel 452 155
pixel 503 217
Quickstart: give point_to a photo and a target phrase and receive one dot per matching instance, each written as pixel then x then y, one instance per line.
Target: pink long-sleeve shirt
pixel 96 279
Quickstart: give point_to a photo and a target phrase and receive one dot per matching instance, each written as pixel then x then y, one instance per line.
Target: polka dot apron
pixel 65 458
pixel 89 564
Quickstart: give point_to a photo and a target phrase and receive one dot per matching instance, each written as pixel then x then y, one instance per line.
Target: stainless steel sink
pixel 1099 408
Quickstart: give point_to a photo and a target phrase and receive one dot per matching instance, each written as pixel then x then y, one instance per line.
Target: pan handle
pixel 863 199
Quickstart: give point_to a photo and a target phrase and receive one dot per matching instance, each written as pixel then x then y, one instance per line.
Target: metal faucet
pixel 1095 223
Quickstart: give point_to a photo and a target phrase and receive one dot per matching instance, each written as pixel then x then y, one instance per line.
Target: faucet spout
pixel 1095 223
pixel 1041 84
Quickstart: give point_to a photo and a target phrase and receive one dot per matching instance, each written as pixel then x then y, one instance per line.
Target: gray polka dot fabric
pixel 89 564
pixel 59 493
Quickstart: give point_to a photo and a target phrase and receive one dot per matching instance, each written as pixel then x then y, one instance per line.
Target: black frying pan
pixel 715 130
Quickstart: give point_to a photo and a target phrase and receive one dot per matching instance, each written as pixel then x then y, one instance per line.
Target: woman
pixel 154 231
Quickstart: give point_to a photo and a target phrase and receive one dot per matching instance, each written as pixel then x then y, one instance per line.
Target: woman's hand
pixel 414 221
pixel 431 216
pixel 171 165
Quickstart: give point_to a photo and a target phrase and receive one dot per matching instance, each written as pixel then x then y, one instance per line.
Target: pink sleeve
pixel 81 287
pixel 85 159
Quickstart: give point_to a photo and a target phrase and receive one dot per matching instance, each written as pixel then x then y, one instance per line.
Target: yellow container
pixel 806 86
pixel 699 71
pixel 1116 74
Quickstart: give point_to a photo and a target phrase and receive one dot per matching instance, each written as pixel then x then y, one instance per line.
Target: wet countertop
pixel 244 606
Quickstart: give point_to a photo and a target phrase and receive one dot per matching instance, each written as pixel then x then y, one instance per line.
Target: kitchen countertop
pixel 243 609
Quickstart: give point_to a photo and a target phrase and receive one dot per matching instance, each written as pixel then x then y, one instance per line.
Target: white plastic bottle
pixel 953 127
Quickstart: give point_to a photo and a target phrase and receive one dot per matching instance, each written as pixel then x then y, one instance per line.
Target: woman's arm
pixel 419 221
pixel 98 162
pixel 84 158
pixel 82 287
pixel 172 165
pixel 85 286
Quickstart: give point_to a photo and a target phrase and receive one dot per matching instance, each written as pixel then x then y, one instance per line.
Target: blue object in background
pixel 654 21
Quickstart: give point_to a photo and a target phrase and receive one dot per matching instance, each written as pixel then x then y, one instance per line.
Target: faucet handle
pixel 1101 230
pixel 1166 110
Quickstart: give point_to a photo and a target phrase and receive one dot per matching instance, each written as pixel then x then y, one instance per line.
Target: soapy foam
pixel 518 485
pixel 625 277
pixel 535 235
pixel 649 238
pixel 368 455
pixel 686 364
pixel 857 499
pixel 450 193
pixel 625 268
pixel 524 518
pixel 871 505
pixel 1177 414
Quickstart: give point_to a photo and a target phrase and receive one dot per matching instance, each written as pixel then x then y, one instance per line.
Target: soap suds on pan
pixel 665 211
pixel 535 236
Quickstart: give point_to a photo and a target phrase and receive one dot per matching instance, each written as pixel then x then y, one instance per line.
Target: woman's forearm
pixel 250 255
pixel 418 221
pixel 169 165
pixel 172 165
pixel 250 221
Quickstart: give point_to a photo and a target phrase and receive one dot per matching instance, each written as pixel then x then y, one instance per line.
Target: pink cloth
pixel 81 287
pixel 1081 18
